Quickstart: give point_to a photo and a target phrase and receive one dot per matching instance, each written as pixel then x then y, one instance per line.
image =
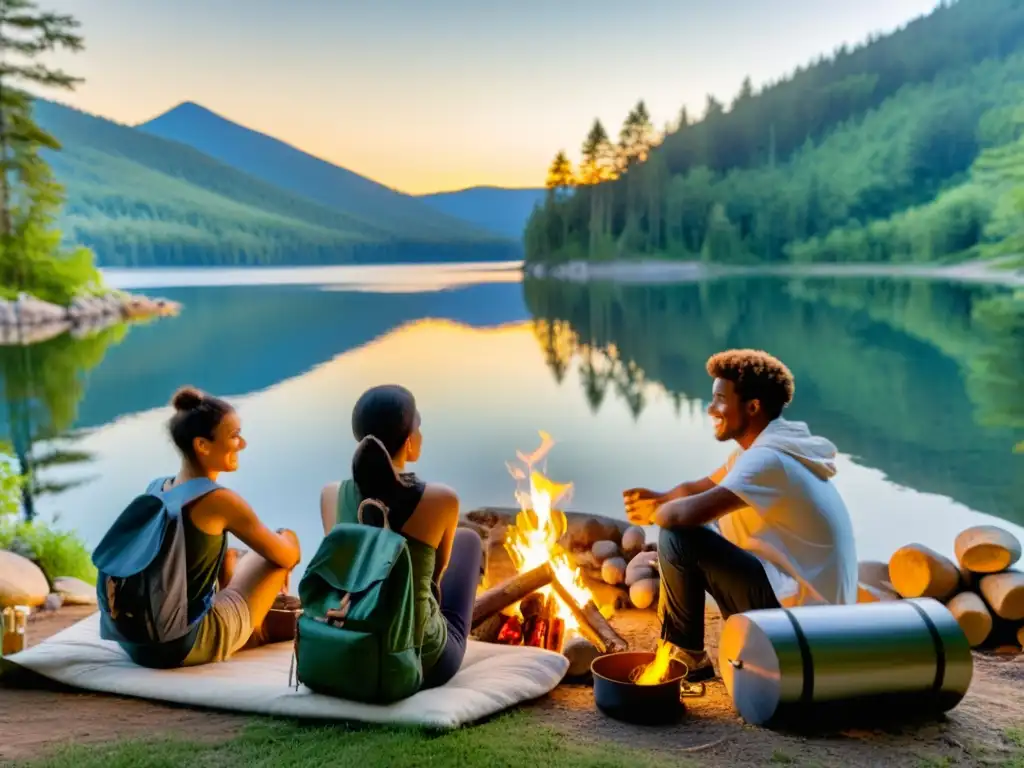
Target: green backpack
pixel 370 654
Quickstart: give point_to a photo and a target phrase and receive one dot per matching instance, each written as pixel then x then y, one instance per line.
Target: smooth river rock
pixel 644 593
pixel 603 550
pixel 22 582
pixel 75 591
pixel 633 541
pixel 643 566
pixel 613 570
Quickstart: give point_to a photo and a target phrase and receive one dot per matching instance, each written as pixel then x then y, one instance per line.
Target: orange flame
pixel 534 538
pixel 657 670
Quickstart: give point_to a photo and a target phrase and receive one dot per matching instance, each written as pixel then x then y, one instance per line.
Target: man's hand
pixel 641 504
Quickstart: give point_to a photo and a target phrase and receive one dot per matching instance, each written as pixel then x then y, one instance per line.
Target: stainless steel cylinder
pixel 909 656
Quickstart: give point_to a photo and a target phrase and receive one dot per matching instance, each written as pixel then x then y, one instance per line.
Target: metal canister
pixel 908 657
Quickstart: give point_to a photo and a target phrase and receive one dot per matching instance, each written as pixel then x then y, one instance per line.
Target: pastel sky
pixel 428 95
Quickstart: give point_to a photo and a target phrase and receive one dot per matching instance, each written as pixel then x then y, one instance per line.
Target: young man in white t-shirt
pixel 772 503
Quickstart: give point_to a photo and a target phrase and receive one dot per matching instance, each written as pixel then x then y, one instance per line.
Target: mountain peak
pixel 186 109
pixel 286 166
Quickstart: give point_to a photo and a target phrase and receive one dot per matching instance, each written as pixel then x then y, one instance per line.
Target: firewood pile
pixel 522 611
pixel 982 589
pixel 532 608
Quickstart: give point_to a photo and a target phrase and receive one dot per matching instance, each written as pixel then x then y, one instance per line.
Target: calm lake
pixel 917 382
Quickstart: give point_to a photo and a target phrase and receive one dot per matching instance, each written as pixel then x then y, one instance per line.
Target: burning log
pixel 512 632
pixel 605 595
pixel 556 635
pixel 537 629
pixel 535 632
pixel 532 605
pixel 593 625
pixel 511 591
pixel 489 629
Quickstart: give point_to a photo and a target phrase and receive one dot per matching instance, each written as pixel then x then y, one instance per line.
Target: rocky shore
pixel 28 320
pixel 1003 271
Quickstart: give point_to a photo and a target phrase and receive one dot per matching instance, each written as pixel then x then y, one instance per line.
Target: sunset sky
pixel 429 96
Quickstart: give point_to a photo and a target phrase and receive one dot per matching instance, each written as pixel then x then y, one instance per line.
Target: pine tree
pixel 560 175
pixel 28 193
pixel 598 162
pixel 636 137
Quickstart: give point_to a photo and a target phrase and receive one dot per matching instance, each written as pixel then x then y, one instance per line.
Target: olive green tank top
pixel 203 556
pixel 430 624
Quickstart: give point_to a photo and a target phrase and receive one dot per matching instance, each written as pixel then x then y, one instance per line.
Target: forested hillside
pixel 907 148
pixel 137 199
pixel 278 163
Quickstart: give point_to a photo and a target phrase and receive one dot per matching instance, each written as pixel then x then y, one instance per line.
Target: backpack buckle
pixel 336 616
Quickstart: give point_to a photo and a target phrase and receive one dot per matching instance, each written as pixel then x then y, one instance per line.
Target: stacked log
pixel 981 589
pixel 517 612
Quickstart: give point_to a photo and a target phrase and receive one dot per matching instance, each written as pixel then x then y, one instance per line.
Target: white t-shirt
pixel 796 521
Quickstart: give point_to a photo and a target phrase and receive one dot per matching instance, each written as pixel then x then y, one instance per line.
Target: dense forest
pixel 935 347
pixel 909 147
pixel 140 200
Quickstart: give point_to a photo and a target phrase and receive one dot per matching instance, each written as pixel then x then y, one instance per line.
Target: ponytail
pixel 375 475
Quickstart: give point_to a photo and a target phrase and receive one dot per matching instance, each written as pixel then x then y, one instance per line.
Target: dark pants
pixel 698 560
pixel 458 592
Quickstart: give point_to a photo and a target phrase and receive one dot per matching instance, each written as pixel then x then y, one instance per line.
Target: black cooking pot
pixel 618 696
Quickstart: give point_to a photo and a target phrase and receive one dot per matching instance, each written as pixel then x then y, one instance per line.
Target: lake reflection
pixel 916 382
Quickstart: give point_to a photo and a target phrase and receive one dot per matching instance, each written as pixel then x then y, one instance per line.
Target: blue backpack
pixel 142 582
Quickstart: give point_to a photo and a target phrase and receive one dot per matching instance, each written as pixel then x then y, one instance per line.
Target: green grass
pixel 514 740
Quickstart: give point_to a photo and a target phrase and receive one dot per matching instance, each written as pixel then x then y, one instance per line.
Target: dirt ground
pixel 34 721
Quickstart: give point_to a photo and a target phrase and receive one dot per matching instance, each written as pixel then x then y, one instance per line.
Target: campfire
pixel 546 604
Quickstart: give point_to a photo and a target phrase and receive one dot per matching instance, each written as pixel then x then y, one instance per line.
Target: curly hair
pixel 756 375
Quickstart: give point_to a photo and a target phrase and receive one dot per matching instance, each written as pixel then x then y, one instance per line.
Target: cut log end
pixel 917 571
pixel 593 625
pixel 1004 592
pixel 973 617
pixel 987 549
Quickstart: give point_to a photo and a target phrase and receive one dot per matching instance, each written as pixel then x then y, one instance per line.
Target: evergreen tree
pixel 29 195
pixel 598 162
pixel 560 175
pixel 636 137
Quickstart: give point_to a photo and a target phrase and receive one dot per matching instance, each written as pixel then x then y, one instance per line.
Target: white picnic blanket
pixel 492 678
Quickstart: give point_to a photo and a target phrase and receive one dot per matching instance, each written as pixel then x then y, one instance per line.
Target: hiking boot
pixel 699 665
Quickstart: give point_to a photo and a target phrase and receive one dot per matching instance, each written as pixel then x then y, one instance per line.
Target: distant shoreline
pixel 654 272
pixel 352 275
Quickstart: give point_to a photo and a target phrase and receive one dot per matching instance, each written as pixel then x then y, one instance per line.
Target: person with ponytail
pixel 229 596
pixel 446 559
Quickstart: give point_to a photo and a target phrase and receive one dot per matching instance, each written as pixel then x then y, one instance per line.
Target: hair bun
pixel 187 399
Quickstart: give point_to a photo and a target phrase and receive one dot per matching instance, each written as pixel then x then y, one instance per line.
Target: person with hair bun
pixel 772 507
pixel 445 559
pixel 208 434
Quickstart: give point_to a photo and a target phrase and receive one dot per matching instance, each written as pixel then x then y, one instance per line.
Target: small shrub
pixel 59 553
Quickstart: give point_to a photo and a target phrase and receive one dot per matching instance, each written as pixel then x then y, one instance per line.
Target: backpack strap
pixel 182 495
